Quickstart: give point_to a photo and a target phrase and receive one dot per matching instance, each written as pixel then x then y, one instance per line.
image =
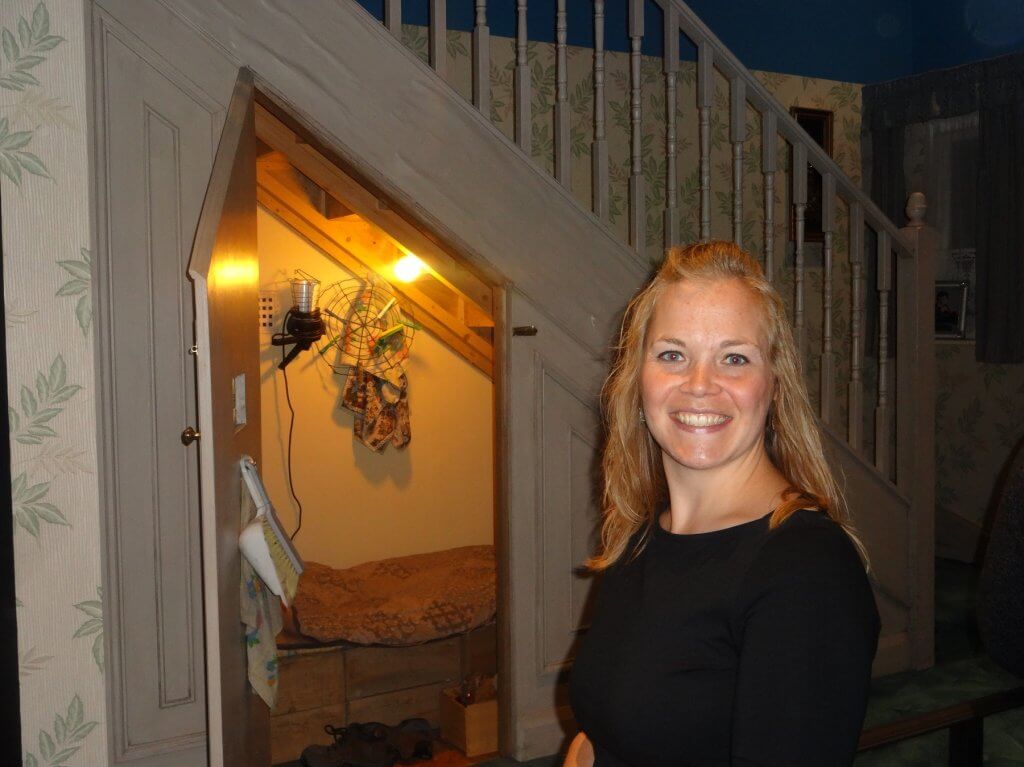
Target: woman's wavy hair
pixel 634 477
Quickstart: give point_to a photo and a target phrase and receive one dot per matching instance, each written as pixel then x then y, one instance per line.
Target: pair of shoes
pixel 372 744
pixel 358 745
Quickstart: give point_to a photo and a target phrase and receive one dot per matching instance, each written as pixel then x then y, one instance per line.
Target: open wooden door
pixel 224 269
pixel 552 440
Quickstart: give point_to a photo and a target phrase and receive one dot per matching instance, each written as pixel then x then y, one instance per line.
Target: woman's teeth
pixel 700 419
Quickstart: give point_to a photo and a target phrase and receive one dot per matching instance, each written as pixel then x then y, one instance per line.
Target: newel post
pixel 915 415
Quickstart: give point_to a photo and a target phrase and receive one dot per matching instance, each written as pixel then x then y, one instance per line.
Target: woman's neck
pixel 703 500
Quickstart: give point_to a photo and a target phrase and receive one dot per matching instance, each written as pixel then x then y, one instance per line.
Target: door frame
pixel 279 107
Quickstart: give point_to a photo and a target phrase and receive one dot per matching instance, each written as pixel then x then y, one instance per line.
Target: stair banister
pixel 437 37
pixel 769 163
pixel 523 115
pixel 826 365
pixel 705 98
pixel 482 60
pixel 563 144
pixel 763 101
pixel 599 147
pixel 637 199
pixel 855 405
pixel 670 226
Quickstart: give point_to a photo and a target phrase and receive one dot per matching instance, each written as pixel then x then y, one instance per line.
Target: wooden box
pixel 473 729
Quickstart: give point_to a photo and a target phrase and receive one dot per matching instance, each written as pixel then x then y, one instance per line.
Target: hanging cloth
pixel 381 407
pixel 261 616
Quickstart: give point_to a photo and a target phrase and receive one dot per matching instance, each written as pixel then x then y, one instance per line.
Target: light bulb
pixel 408 268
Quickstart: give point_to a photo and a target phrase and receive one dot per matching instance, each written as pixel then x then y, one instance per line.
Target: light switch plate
pixel 238 384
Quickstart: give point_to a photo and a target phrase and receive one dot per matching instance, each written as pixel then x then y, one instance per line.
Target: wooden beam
pixel 363 201
pixel 335 209
pixel 295 211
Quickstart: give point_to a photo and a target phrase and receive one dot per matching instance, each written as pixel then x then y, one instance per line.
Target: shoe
pixel 412 739
pixel 320 756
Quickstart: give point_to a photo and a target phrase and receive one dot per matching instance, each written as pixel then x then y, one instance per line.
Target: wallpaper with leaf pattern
pixel 44 193
pixel 979 422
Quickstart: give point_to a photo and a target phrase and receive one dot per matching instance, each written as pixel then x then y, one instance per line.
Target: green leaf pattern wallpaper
pixel 45 191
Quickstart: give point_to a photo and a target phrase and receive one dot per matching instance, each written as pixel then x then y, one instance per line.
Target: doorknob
pixel 189 436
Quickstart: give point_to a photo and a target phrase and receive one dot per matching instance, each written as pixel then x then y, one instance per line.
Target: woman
pixel 735 624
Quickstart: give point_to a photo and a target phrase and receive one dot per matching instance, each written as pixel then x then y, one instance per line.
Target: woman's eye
pixel 670 356
pixel 736 359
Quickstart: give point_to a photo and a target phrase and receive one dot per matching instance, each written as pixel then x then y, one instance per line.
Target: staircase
pixel 477 136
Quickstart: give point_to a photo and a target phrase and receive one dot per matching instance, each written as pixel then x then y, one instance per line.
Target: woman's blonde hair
pixel 634 478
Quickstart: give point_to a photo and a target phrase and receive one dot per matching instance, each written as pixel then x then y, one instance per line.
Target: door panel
pixel 156 150
pixel 224 269
pixel 552 385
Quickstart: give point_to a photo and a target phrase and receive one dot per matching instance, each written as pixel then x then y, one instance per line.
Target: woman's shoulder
pixel 808 543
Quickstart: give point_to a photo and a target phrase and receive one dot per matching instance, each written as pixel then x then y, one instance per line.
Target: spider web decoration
pixel 365 327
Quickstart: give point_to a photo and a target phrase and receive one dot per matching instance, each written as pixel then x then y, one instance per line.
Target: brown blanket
pixel 400 601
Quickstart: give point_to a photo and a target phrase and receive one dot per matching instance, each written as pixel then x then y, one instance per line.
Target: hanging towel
pixel 261 614
pixel 381 407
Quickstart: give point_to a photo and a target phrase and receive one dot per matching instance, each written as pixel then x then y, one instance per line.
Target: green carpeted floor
pixel 962 672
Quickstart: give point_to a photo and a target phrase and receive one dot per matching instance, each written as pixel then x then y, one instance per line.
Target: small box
pixel 473 729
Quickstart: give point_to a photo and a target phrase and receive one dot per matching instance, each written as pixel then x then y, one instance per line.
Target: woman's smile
pixel 700 421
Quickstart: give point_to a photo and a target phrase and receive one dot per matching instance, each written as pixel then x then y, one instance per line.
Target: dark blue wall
pixel 860 41
pixel 951 32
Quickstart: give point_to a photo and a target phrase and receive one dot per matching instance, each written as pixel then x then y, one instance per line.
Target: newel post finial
pixel 917 205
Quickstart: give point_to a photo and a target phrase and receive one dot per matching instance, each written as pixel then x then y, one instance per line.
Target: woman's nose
pixel 700 380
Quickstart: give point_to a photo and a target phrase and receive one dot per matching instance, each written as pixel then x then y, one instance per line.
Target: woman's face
pixel 706 383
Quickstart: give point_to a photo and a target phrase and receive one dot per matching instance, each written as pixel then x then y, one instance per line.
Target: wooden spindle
pixel 599 146
pixel 828 223
pixel 800 208
pixel 856 391
pixel 523 114
pixel 482 60
pixel 705 95
pixel 637 203
pixel 563 147
pixel 737 135
pixel 437 38
pixel 393 17
pixel 769 161
pixel 671 218
pixel 883 454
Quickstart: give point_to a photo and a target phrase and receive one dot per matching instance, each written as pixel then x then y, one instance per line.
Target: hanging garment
pixel 381 408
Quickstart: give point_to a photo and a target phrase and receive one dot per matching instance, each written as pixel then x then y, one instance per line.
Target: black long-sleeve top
pixel 743 646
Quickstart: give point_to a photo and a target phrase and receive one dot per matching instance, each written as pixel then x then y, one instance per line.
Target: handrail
pixel 762 100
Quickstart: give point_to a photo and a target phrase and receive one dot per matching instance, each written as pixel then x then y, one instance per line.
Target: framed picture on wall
pixel 951 309
pixel 818 123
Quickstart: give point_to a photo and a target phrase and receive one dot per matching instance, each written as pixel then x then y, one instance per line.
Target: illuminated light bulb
pixel 408 268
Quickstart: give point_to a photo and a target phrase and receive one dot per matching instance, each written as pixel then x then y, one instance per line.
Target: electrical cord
pixel 291 429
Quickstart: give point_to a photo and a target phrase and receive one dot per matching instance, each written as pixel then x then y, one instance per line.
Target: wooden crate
pixel 473 729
